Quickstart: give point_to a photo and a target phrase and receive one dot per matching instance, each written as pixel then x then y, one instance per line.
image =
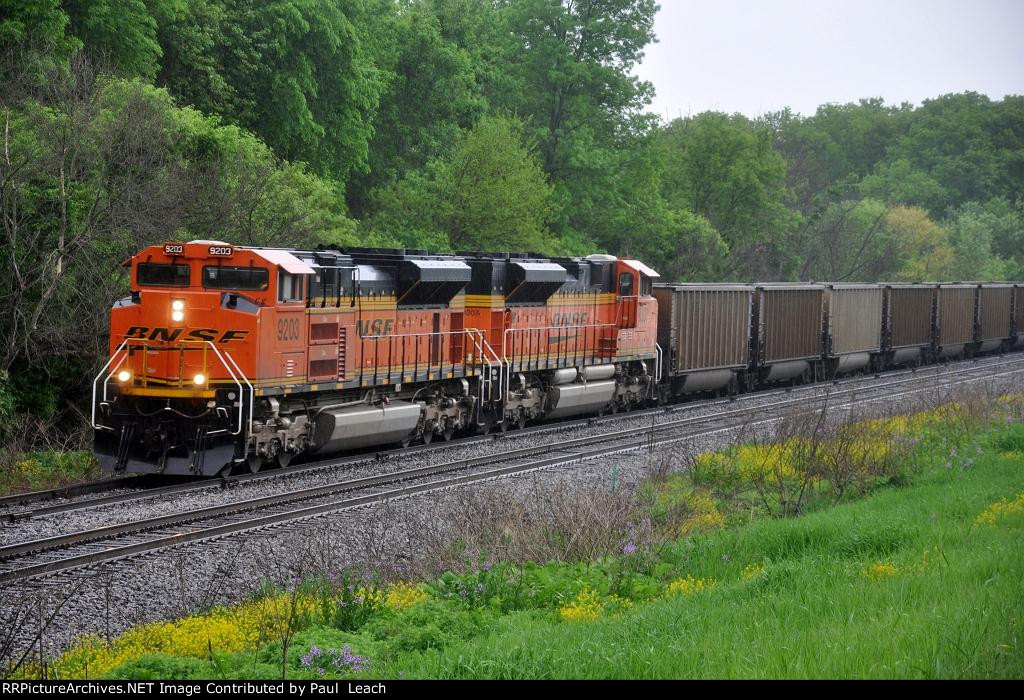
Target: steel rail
pixel 568 454
pixel 332 463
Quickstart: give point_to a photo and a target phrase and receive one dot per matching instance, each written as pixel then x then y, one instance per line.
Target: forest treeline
pixel 447 125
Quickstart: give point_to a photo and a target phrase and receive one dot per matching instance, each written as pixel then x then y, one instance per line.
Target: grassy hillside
pixel 920 577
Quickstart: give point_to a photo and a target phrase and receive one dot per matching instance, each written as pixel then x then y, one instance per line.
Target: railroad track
pixel 68 491
pixel 139 491
pixel 27 560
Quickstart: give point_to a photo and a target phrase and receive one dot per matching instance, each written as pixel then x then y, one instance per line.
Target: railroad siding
pixel 704 326
pixel 790 321
pixel 855 318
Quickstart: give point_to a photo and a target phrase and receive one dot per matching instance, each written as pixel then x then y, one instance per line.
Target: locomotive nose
pixel 183 308
pixel 169 342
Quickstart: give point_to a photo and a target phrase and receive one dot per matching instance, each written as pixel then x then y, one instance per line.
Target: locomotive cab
pixel 175 396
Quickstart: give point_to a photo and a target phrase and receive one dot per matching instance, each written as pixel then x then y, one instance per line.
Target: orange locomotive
pixel 233 356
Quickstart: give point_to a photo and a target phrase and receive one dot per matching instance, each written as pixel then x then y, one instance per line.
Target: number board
pixel 174 249
pixel 220 250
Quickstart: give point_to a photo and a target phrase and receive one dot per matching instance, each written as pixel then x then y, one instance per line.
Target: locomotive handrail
pixel 508 359
pixel 125 346
pixel 482 346
pixel 471 332
pixel 476 337
pixel 97 378
pixel 241 391
pixel 252 392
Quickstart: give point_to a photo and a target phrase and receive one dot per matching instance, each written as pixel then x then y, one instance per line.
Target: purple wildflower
pixel 629 548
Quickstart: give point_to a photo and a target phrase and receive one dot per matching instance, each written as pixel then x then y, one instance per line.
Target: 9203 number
pixel 288 329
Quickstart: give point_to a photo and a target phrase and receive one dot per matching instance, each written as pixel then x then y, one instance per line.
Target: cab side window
pixel 289 287
pixel 625 284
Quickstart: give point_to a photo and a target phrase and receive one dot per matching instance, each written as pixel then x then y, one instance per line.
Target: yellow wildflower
pixel 1001 509
pixel 404 595
pixel 227 630
pixel 688 585
pixel 752 570
pixel 706 515
pixel 620 602
pixel 881 570
pixel 586 606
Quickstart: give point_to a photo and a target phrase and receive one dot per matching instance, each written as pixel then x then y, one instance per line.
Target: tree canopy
pixel 447 124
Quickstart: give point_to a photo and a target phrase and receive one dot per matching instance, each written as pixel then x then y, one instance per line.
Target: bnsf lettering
pixel 169 335
pixel 573 319
pixel 378 326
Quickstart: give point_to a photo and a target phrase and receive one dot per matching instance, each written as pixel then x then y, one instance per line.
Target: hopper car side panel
pixel 995 316
pixel 704 331
pixel 788 323
pixel 955 319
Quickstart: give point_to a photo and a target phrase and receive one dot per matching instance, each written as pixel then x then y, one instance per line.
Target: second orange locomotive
pixel 227 355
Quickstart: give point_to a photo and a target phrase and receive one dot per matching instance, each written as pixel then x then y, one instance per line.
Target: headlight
pixel 177 316
pixel 124 375
pixel 178 305
pixel 199 379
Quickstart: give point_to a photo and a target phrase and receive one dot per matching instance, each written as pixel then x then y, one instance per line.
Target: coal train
pixel 230 357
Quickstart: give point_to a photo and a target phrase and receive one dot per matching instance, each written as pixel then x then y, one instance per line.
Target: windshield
pixel 220 277
pixel 160 275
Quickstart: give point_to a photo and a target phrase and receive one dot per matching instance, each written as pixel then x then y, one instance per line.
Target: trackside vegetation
pixel 44 469
pixel 765 560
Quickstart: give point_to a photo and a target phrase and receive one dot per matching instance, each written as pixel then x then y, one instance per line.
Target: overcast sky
pixel 753 56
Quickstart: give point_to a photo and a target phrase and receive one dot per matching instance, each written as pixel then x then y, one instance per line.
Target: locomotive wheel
pixel 521 421
pixel 254 462
pixel 283 458
pixel 428 437
pixel 449 431
pixel 503 426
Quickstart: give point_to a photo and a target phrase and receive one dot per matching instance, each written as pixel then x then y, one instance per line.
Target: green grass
pixel 813 612
pixel 33 471
pixel 952 607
